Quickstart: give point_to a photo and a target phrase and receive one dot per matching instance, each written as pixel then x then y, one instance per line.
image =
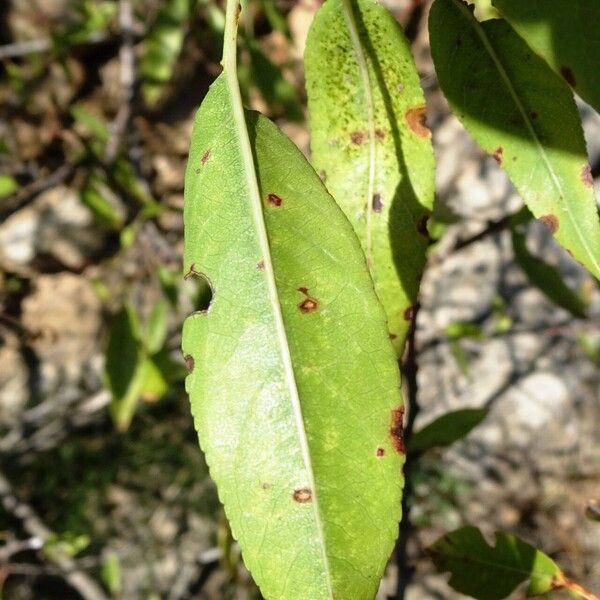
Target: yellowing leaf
pixel 371 145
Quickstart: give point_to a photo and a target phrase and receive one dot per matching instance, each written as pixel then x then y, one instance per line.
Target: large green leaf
pixel 371 145
pixel 294 383
pixel 565 34
pixel 522 114
pixel 493 572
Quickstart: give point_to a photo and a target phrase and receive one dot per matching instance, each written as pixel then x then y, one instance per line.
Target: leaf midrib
pixel 230 69
pixel 513 92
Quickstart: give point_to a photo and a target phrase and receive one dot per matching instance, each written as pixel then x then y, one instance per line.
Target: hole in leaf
pixel 199 290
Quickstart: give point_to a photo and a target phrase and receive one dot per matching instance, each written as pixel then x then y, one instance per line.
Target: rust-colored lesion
pixel 416 119
pixel 303 495
pixel 397 430
pixel 309 304
pixel 358 137
pixel 189 363
pixel 586 175
pixel 274 199
pixel 497 154
pixel 376 203
pixel 551 222
pixel 205 157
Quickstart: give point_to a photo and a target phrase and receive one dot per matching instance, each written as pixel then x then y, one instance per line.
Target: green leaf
pixel 124 366
pixel 96 195
pixel 153 384
pixel 157 329
pixel 463 329
pixel 294 384
pixel 447 429
pixel 162 47
pixel 545 277
pixel 565 34
pixel 8 186
pixel 524 115
pixel 370 144
pixel 57 546
pixel 111 573
pixel 493 572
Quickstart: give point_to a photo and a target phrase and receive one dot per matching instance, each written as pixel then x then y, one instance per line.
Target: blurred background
pixel 103 489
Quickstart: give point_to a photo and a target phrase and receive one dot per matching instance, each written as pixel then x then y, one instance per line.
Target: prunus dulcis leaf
pixel 293 381
pixel 371 145
pixel 524 115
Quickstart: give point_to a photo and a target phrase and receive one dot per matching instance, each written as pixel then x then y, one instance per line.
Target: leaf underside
pixel 308 467
pixel 565 34
pixel 371 146
pixel 522 114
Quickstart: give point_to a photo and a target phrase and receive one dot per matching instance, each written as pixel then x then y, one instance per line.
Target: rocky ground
pixel 144 496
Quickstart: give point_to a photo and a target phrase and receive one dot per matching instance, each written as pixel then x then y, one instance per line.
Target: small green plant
pixel 314 272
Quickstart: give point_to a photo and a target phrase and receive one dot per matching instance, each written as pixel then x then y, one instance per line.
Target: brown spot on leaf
pixel 533 115
pixel 303 495
pixel 397 430
pixel 274 199
pixel 358 137
pixel 416 118
pixel 309 304
pixel 586 176
pixel 266 486
pixel 323 175
pixel 205 158
pixel 376 203
pixel 392 336
pixel 380 452
pixel 380 134
pixel 260 265
pixel 189 363
pixel 568 75
pixel 238 10
pixel 409 313
pixel 550 221
pixel 497 154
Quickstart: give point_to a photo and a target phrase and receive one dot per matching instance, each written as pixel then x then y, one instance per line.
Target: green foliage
pixel 371 146
pixel 89 17
pixel 96 195
pixel 493 572
pixel 137 367
pixel 8 186
pixel 522 114
pixel 447 429
pixel 162 48
pixel 111 573
pixel 287 397
pixel 565 34
pixel 67 544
